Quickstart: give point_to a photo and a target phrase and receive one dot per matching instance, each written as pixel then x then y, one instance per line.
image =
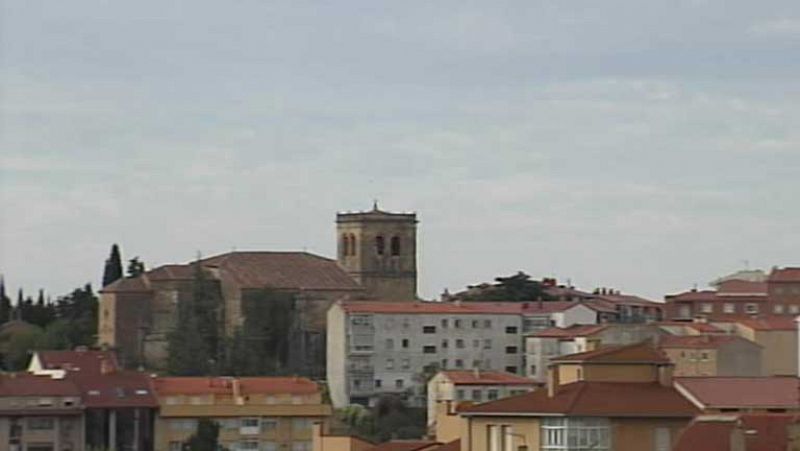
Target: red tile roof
pixel 455 445
pixel 114 390
pixel 608 399
pixel 84 361
pixel 629 299
pixel 404 445
pixel 699 341
pixel 742 392
pixel 636 353
pixel 576 330
pixel 739 287
pixel 711 296
pixel 466 308
pixel 713 433
pixel 127 284
pixel 769 323
pixel 487 378
pixel 282 270
pixel 785 275
pixel 24 384
pixel 165 386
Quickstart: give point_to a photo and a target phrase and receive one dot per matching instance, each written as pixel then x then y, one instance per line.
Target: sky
pixel 644 146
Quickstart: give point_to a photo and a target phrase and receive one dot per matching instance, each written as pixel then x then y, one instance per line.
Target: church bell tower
pixel 379 250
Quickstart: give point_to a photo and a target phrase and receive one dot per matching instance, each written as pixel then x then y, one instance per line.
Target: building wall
pixel 639 434
pixel 574 372
pixel 779 355
pixel 336 353
pixel 740 358
pixel 64 431
pixel 524 432
pixel 389 353
pixel 579 314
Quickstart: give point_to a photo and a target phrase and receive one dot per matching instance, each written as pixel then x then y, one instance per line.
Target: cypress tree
pixel 5 303
pixel 113 268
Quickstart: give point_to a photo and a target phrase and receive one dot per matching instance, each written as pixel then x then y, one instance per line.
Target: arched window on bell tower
pixel 380 245
pixel 353 246
pixel 345 245
pixel 395 245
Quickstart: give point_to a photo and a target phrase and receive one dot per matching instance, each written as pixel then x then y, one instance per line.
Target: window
pixel 250 426
pixel 361 320
pixel 511 349
pixel 778 309
pixel 794 309
pixel 459 363
pixel 45 402
pixel 404 343
pixel 492 395
pixel 751 308
pixel 457 323
pixel 301 424
pixel 444 364
pixel 475 324
pixel 406 364
pixel 460 395
pixel 487 324
pixel 704 356
pixel 444 323
pixel 428 329
pixel 248 445
pixel 269 446
pixel 389 364
pixel 575 433
pixel 301 446
pixel 477 395
pixel 487 343
pixel 40 424
pixel 398 383
pixel 429 349
pixel 269 424
pixel 389 343
pixel 459 343
pixel 345 245
pixel 380 245
pixel 353 246
pixel 533 369
pixel 511 369
pixel 511 330
pixel 729 308
pixel 476 363
pixel 378 383
pixel 444 344
pixel 395 245
pixel 706 307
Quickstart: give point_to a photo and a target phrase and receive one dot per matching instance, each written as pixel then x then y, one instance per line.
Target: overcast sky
pixel 645 146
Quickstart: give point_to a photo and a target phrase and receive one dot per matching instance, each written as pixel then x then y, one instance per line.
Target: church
pixel 376 260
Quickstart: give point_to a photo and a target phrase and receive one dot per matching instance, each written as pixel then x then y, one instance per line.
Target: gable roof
pixel 84 361
pixel 741 392
pixel 635 353
pixel 282 270
pixel 25 384
pixel 165 386
pixel 700 341
pixel 486 378
pixel 767 432
pixel 608 399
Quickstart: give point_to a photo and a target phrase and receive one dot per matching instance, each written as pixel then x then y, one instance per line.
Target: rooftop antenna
pixel 375 204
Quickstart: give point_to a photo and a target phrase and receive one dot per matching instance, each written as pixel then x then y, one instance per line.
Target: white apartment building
pixel 379 348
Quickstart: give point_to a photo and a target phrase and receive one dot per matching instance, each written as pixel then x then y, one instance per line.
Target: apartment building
pixel 618 398
pixel 542 346
pixel 382 348
pixel 448 389
pixel 254 413
pixel 39 413
pixel 777 335
pixel 712 355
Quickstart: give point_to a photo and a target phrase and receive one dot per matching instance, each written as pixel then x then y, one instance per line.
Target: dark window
pixel 378 383
pixel 444 344
pixel 511 369
pixel 405 342
pixel 460 343
pixel 395 245
pixel 511 349
pixel 353 244
pixel 459 363
pixel 492 395
pixel 428 329
pixel 380 244
pixel 398 383
pixel 429 349
pixel 345 245
pixel 511 330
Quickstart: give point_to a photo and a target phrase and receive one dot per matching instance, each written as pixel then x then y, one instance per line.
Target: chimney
pixel 237 393
pixel 552 380
pixel 665 374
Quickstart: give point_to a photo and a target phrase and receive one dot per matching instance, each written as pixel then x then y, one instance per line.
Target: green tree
pixel 5 303
pixel 518 287
pixel 20 347
pixel 187 351
pixel 79 310
pixel 113 267
pixel 205 439
pixel 206 307
pixel 135 267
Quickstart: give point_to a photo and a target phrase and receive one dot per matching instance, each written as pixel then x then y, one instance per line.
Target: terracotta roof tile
pixel 83 361
pixel 785 275
pixel 638 352
pixel 455 445
pixel 767 432
pixel 487 378
pixel 126 284
pixel 282 270
pixel 742 392
pixel 115 389
pixel 165 386
pixel 471 307
pixel 405 445
pixel 699 341
pixel 609 399
pixel 739 287
pixel 24 384
pixel 769 323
